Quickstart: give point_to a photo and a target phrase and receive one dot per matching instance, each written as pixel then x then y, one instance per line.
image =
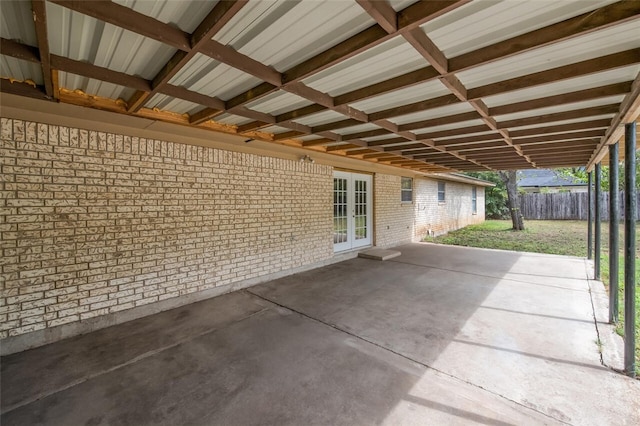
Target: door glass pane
pixel 361 231
pixel 339 210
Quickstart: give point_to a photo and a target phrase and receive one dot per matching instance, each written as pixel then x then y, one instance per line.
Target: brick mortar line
pixel 408 358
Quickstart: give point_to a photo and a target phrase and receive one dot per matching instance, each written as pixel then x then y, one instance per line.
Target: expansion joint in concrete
pixel 385 348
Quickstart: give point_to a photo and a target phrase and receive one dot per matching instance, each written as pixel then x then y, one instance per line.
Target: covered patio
pixel 439 335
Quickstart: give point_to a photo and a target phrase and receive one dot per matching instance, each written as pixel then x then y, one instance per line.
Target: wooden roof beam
pixel 382 13
pixel 565 98
pixel 23 89
pixel 299 113
pixel 450 119
pixel 593 142
pixel 469 139
pixel 587 134
pixel 424 105
pixel 389 141
pixel 317 142
pixel 406 80
pixel 581 125
pixel 560 116
pixel 578 69
pixel 366 134
pixel 210 25
pixel 598 19
pixel 427 48
pixel 129 19
pixel 40 22
pixel 408 18
pixel 561 73
pixel 629 111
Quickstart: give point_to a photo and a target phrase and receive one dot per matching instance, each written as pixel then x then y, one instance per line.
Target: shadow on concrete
pixel 358 342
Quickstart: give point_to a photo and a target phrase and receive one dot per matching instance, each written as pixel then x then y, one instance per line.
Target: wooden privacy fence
pixel 565 205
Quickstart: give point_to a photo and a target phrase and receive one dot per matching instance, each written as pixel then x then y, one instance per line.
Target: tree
pixel 510 179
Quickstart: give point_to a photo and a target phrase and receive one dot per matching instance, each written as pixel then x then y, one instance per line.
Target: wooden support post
pixel 630 249
pixel 614 238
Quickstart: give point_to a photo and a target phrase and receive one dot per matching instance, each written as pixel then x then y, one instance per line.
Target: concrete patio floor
pixel 439 335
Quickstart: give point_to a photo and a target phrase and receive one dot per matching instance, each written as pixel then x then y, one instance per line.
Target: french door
pixel 351 211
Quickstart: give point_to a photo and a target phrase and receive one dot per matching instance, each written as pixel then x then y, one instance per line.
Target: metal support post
pixel 614 237
pixel 630 249
pixel 590 217
pixel 598 222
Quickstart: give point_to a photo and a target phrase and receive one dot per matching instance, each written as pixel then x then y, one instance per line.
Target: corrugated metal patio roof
pixel 433 86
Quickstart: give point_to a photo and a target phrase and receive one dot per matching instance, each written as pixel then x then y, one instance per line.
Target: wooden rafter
pixel 210 25
pixel 40 22
pixel 580 125
pixel 564 98
pixel 129 19
pixel 405 23
pixel 598 19
pixel 629 111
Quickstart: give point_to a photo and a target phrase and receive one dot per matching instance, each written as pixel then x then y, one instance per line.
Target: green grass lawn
pixel 564 237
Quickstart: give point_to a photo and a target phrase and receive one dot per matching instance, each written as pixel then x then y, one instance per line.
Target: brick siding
pixel 94 223
pixel 398 223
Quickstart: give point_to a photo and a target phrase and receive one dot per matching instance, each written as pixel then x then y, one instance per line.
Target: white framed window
pixel 474 200
pixel 406 190
pixel 441 192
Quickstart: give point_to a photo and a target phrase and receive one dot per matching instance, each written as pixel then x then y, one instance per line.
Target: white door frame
pixel 352 210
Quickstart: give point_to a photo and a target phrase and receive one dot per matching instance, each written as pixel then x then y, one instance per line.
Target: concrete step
pixel 379 254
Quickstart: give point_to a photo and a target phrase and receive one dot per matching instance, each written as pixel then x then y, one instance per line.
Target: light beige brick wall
pixel 94 223
pixel 394 220
pixel 398 223
pixel 454 213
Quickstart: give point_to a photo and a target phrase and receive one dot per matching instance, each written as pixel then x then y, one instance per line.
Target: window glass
pixel 441 192
pixel 406 190
pixel 474 200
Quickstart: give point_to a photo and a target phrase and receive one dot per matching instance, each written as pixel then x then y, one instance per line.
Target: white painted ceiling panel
pixel 573 85
pixel 560 108
pixel 302 138
pixel 399 5
pixel 20 70
pixel 105 45
pixel 485 22
pixel 204 75
pixel 12 22
pixel 458 137
pixel 444 111
pixel 320 118
pixel 600 43
pixel 278 103
pixel 442 127
pixel 379 138
pixel 419 92
pixel 94 87
pixel 559 122
pixel 359 128
pixel 232 119
pixel 390 59
pixel 183 14
pixel 276 130
pixel 168 103
pixel 284 33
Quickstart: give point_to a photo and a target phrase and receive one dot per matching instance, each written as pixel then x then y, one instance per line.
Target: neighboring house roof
pixel 545 178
